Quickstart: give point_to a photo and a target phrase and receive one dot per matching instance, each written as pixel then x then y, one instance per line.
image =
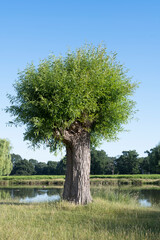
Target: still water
pixel 30 195
pixel 146 196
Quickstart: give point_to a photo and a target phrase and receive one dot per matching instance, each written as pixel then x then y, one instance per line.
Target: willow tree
pixel 74 101
pixel 5 157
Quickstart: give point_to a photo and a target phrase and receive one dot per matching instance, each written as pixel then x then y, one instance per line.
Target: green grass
pixel 32 177
pixel 108 218
pixel 41 177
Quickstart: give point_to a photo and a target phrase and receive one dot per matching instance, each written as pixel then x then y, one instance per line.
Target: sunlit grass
pixel 34 177
pixel 110 216
pixel 41 177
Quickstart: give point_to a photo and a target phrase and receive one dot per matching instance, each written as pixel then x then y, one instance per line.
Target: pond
pixel 31 194
pixel 147 196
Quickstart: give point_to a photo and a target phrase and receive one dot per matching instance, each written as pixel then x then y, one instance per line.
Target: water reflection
pixel 28 195
pixel 40 198
pixel 151 195
pixel 146 196
pixel 145 203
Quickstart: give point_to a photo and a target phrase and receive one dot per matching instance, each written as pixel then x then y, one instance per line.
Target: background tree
pixel 72 101
pixel 154 159
pixel 128 163
pixel 23 167
pixel 98 161
pixel 34 162
pixel 52 165
pixel 110 167
pixel 101 163
pixel 5 157
pixel 61 166
pixel 41 168
pixel 144 165
pixel 15 158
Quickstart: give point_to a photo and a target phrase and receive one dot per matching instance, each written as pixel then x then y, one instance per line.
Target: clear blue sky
pixel 31 30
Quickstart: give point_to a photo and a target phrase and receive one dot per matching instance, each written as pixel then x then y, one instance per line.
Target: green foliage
pixel 52 166
pixel 5 157
pixel 101 163
pixel 61 166
pixel 154 159
pixel 41 168
pixel 128 163
pixel 15 158
pixel 23 167
pixel 33 161
pixel 32 166
pixel 144 165
pixel 88 86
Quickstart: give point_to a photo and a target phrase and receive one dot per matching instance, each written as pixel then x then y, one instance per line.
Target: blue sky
pixel 31 30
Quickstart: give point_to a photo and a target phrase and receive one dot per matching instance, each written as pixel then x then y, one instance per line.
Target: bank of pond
pixel 58 180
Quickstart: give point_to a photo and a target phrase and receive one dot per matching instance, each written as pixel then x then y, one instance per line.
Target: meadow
pixel 108 217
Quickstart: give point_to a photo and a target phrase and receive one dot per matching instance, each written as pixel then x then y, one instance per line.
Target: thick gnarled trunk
pixel 77 182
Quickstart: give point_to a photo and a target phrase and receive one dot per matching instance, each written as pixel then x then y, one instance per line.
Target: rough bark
pixel 77 182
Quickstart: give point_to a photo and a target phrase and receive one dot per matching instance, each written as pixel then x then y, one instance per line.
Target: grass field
pixel 107 218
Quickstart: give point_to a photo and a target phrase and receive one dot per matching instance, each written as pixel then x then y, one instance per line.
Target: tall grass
pixel 115 195
pixel 109 217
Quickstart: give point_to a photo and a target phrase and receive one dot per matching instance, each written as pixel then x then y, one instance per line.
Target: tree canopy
pixel 88 86
pixel 74 100
pixel 128 163
pixel 23 167
pixel 15 158
pixel 101 163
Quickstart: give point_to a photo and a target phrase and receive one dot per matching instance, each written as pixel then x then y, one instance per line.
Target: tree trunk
pixel 77 182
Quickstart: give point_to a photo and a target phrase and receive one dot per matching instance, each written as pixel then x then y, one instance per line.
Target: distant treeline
pixel 128 163
pixel 101 163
